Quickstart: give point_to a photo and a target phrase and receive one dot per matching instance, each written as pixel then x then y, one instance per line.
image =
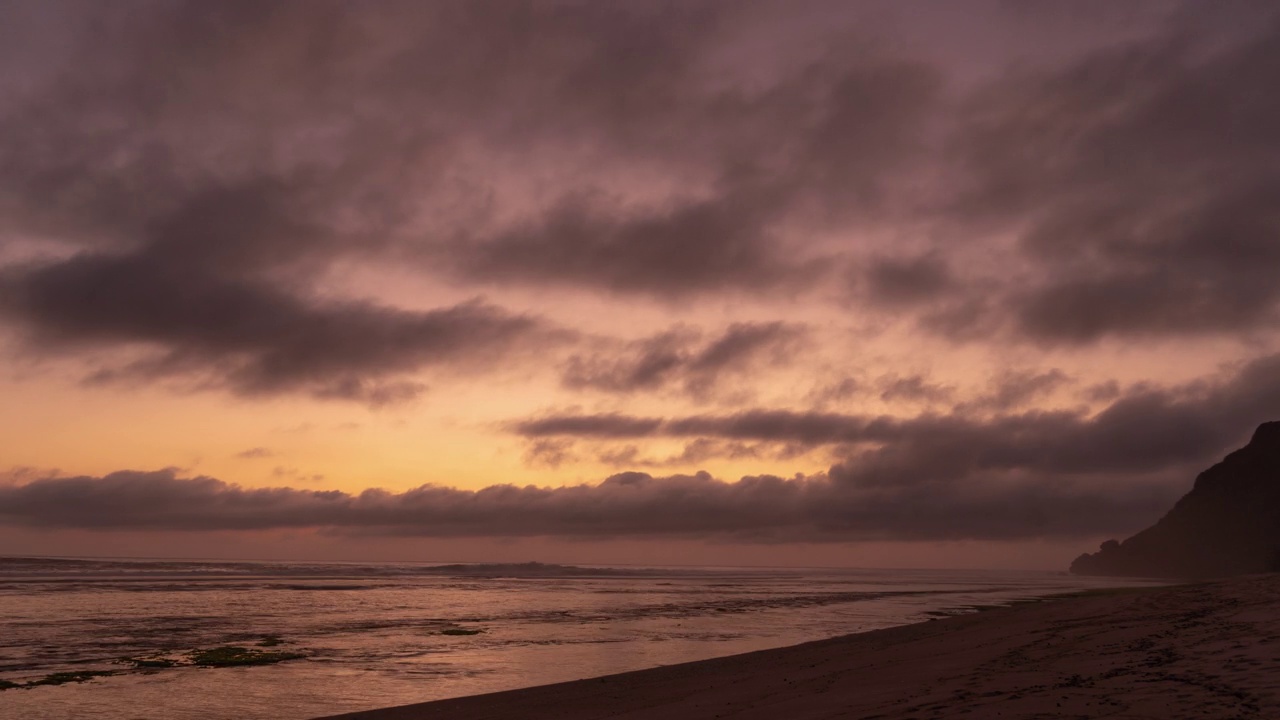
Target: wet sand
pixel 1192 651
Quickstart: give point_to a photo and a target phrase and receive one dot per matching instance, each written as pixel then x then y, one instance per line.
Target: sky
pixel 869 284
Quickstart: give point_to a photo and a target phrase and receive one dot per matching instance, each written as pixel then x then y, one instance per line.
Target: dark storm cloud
pixel 684 359
pixel 207 162
pixel 901 282
pixel 252 336
pixel 1146 429
pixel 200 170
pixel 1143 180
pixel 375 118
pixel 705 246
pixel 195 166
pixel 831 138
pixel 149 110
pixel 759 509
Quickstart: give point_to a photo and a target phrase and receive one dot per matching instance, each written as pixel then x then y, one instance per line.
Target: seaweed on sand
pixel 235 656
pixel 460 631
pixel 62 678
pixel 152 663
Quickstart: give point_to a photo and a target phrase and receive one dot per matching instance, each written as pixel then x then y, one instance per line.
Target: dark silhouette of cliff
pixel 1229 524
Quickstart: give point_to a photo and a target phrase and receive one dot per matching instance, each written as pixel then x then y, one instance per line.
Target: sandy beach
pixel 1208 650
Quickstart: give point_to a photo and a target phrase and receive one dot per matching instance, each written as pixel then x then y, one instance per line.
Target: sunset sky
pixel 930 284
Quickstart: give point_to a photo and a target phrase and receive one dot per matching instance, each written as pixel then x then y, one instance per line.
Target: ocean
pixel 378 634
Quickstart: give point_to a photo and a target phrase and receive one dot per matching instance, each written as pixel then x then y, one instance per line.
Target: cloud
pixel 549 452
pixel 1140 183
pixel 1004 477
pixel 608 147
pixel 753 509
pixel 647 149
pixel 603 425
pixel 839 391
pixel 678 358
pixel 913 388
pixel 1146 429
pixel 694 452
pixel 292 474
pixel 196 177
pixel 253 337
pixel 201 235
pixel 897 282
pixel 554 452
pixel 1017 388
pixel 209 194
pixel 256 453
pixel 699 247
pixel 756 164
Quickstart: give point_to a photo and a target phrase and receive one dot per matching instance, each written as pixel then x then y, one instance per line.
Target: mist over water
pixel 386 634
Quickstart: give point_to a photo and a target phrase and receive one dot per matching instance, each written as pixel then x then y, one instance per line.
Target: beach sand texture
pixel 1207 650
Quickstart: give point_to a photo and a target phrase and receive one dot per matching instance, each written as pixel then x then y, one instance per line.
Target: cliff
pixel 1228 524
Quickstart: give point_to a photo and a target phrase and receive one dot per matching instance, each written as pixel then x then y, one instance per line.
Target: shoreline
pixel 1205 650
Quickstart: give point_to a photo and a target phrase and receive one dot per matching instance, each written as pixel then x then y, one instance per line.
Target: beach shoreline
pixel 1204 650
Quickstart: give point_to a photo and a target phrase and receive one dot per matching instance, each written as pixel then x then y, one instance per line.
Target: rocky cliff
pixel 1229 524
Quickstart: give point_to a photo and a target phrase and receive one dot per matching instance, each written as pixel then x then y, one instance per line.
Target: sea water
pixel 381 634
